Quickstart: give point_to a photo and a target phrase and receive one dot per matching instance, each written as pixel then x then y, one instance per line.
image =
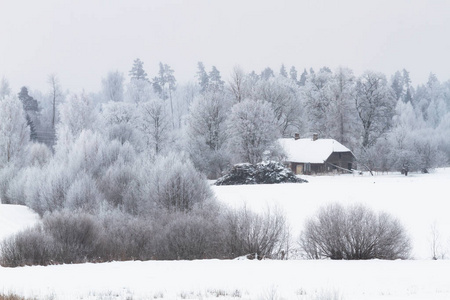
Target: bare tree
pixel 437 251
pixel 154 123
pixel 375 104
pixel 237 83
pixel 56 94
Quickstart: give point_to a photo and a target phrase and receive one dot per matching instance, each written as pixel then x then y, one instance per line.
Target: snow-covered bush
pixel 260 173
pixel 354 232
pixel 175 185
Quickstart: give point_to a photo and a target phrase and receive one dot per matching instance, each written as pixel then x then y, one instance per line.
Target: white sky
pixel 82 40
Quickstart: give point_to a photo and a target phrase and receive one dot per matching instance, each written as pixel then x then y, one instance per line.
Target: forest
pixel 138 153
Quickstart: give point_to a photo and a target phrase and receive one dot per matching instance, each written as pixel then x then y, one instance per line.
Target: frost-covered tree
pixel 341 114
pixel 175 185
pixel 284 96
pixel 202 77
pixel 5 90
pixel 56 96
pixel 78 113
pixel 215 84
pixel 137 71
pixel 83 194
pixel 303 78
pixel 293 74
pixel 139 91
pixel 283 71
pixel 183 97
pixel 119 120
pixel 206 133
pixel 112 86
pixel 252 130
pixel 14 131
pixel 267 73
pixel 237 84
pixel 154 124
pixel 317 96
pixel 165 83
pixel 375 103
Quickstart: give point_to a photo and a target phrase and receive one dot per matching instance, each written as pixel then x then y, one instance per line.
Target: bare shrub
pixel 126 237
pixel 75 235
pixel 195 235
pixel 355 232
pixel 263 234
pixel 30 247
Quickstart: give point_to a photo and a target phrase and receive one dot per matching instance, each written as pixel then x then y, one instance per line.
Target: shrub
pixel 30 247
pixel 176 186
pixel 126 237
pixel 263 234
pixel 75 235
pixel 355 232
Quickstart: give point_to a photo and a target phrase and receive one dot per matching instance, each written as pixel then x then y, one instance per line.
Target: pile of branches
pixel 261 173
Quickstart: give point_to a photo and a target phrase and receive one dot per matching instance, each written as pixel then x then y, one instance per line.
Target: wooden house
pixel 314 155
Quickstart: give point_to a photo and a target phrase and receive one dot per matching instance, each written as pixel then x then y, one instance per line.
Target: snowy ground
pixel 14 218
pixel 418 200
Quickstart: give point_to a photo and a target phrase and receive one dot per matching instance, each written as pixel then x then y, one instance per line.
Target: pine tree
pixel 202 76
pixel 293 74
pixel 29 103
pixel 216 84
pixel 266 74
pixel 137 71
pixel 283 71
pixel 165 83
pixel 33 134
pixel 302 80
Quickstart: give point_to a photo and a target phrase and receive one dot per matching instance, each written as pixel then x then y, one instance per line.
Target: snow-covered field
pixel 420 201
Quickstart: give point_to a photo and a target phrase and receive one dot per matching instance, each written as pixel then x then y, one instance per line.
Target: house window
pixel 307 167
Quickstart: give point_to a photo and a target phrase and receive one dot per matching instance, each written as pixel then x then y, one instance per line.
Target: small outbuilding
pixel 315 156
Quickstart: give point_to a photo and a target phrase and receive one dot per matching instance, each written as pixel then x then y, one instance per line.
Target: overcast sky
pixel 82 40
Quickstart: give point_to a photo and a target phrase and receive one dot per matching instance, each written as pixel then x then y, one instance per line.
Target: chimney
pixel 315 136
pixel 297 136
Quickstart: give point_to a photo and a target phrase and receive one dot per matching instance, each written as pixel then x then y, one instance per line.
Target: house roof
pixel 309 151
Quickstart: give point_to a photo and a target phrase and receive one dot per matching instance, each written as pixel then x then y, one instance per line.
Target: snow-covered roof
pixel 310 151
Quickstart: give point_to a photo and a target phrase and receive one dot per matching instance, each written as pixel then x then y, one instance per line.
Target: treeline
pixel 386 122
pixel 144 147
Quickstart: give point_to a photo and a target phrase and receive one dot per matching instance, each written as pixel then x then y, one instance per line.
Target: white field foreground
pixel 420 201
